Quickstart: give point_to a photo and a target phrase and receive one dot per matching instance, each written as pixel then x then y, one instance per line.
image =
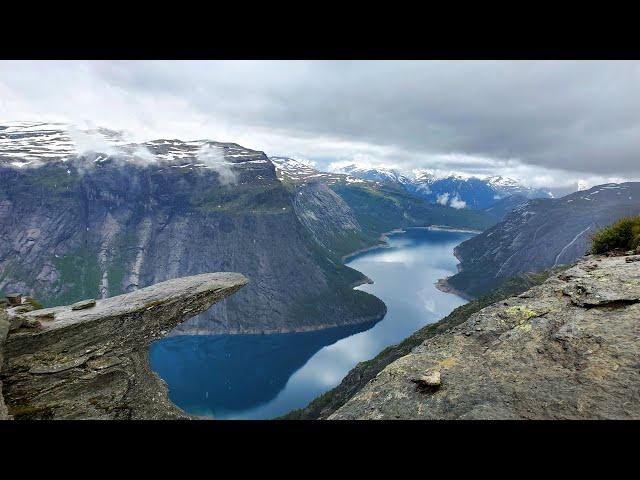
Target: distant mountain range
pixel 455 190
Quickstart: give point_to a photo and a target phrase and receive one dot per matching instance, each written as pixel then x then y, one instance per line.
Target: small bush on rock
pixel 622 235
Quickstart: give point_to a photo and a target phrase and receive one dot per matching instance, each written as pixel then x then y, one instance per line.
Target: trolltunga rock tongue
pixel 93 362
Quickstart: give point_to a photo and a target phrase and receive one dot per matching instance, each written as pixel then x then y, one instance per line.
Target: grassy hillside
pixel 383 209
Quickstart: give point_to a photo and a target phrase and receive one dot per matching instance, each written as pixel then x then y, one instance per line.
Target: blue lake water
pixel 265 376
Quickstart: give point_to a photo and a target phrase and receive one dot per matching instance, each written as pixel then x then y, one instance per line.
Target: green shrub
pixel 622 235
pixel 34 303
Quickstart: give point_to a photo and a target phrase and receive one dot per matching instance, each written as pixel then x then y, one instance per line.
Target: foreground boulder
pixel 93 362
pixel 566 349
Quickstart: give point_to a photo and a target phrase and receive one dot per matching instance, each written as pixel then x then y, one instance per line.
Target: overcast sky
pixel 545 123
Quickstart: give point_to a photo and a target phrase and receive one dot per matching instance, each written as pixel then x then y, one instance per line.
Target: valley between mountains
pixel 118 218
pixel 100 224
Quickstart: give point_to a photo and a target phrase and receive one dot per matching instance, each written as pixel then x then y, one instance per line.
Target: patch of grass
pixel 80 273
pixel 34 303
pixel 622 235
pixel 266 198
pixel 49 181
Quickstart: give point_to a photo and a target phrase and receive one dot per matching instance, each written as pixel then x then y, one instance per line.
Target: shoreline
pixel 441 284
pixel 365 281
pixel 373 319
pixel 444 286
pixel 383 240
pixel 446 228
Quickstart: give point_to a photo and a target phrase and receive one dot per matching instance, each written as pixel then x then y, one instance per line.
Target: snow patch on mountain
pixel 379 173
pixel 32 144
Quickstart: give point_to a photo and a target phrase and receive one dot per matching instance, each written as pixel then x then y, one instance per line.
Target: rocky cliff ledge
pixel 4 331
pixel 566 349
pixel 66 362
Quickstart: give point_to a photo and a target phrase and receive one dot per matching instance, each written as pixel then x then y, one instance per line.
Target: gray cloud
pixel 534 119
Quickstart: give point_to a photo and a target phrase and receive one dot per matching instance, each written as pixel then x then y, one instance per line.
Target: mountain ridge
pixel 541 233
pixel 453 189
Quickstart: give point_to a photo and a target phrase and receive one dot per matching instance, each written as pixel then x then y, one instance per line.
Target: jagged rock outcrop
pixel 327 216
pixel 93 362
pixel 566 349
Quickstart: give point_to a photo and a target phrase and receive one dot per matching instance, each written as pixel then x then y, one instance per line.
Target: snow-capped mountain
pixel 32 144
pixel 301 171
pixel 379 174
pixel 292 168
pixel 457 190
pixel 508 186
pixel 474 192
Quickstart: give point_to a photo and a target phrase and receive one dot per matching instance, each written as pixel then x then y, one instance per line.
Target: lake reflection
pixel 265 376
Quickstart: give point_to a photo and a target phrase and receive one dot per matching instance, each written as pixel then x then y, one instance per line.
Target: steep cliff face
pixel 97 227
pixel 4 331
pixel 567 349
pixel 70 363
pixel 540 234
pixel 329 218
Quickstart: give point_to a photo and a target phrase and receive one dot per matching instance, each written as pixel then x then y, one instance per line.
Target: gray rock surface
pixel 83 304
pixel 93 363
pixel 566 349
pixel 4 331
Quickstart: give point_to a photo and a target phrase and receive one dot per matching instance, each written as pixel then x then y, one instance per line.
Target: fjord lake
pixel 264 376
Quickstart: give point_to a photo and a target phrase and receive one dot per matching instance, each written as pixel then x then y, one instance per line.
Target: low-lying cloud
pixel 92 147
pixel 443 199
pixel 457 203
pixel 452 200
pixel 213 157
